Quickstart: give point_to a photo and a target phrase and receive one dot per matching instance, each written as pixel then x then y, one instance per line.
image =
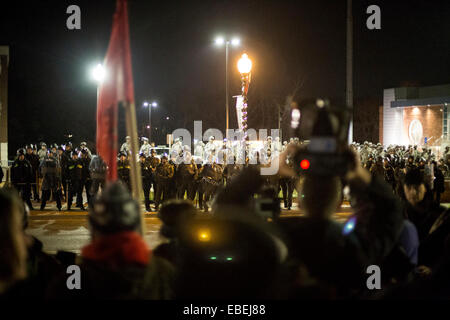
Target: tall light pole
pixel 349 93
pixel 150 106
pixel 234 42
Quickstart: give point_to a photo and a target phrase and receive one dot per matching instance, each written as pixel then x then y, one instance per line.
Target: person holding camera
pixel 338 255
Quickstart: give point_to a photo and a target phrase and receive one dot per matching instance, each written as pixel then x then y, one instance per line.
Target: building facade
pixel 416 116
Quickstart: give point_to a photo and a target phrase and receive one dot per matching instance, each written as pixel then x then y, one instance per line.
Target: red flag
pixel 117 87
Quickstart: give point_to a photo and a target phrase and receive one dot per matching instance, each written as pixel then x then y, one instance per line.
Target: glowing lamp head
pixel 154 104
pixel 98 73
pixel 219 41
pixel 145 104
pixel 304 164
pixel 244 64
pixel 235 42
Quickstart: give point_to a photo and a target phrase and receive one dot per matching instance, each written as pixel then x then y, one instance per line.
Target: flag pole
pixel 136 178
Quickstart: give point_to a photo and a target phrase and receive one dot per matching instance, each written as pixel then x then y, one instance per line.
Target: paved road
pixel 68 230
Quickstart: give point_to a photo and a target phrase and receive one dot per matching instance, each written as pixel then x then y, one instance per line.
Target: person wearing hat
pixel 43 151
pixel 21 177
pixel 145 148
pixel 123 169
pixel 74 177
pixel 51 182
pixel 210 147
pixel 199 148
pixel 164 174
pixel 126 146
pixel 117 263
pixel 33 159
pixel 177 147
pixel 146 172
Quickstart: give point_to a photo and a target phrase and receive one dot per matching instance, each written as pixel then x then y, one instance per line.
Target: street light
pixel 98 73
pixel 150 106
pixel 234 42
pixel 244 66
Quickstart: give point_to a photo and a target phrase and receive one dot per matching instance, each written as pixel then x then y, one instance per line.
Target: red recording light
pixel 304 164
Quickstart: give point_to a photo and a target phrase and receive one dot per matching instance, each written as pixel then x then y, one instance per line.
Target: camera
pixel 327 153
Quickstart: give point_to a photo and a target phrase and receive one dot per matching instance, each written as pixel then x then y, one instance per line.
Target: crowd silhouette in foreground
pixel 237 252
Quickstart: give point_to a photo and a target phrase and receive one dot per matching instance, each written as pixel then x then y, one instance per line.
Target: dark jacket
pixel 146 171
pixel 123 170
pixel 85 174
pixel 21 172
pixel 187 171
pixel 33 159
pixel 41 268
pixel 164 172
pixel 341 260
pixel 74 170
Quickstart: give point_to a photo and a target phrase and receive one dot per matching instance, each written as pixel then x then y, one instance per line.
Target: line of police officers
pixel 61 173
pixel 64 173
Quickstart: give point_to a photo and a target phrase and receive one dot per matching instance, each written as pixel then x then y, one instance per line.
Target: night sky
pixel 176 63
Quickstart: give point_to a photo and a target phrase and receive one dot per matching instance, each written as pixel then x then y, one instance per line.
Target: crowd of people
pixel 237 251
pixel 393 162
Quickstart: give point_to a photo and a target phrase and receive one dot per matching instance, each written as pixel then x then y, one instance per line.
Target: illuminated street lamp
pixel 234 42
pixel 245 67
pixel 98 73
pixel 150 106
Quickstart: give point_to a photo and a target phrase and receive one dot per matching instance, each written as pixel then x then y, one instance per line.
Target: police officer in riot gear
pixel 21 177
pixel 211 180
pixel 63 160
pixel 126 146
pixel 86 180
pixel 97 170
pixel 123 169
pixel 145 148
pixel 33 159
pixel 74 181
pixel 43 151
pixel 153 162
pixel 146 172
pixel 164 174
pixel 51 183
pixel 186 176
